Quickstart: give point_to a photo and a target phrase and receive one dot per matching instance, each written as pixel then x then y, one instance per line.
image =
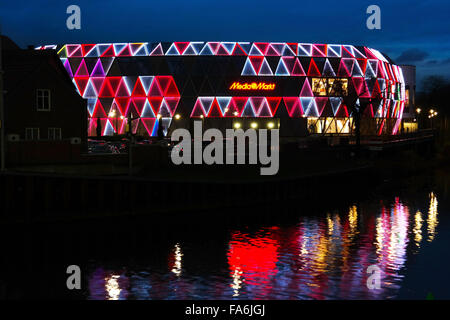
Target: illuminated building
pixel 302 86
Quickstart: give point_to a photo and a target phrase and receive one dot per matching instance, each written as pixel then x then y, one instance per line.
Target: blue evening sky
pixel 412 32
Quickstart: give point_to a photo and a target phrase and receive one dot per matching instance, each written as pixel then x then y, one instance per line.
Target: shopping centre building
pixel 297 87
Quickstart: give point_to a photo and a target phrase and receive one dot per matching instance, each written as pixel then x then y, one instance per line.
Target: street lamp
pixel 418 110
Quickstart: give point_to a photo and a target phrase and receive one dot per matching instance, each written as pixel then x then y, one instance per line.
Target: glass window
pixel 54 133
pixel 331 86
pixel 337 87
pixel 43 99
pixel 32 133
pixel 319 86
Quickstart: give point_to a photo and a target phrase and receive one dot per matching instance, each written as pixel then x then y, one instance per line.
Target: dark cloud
pixel 412 55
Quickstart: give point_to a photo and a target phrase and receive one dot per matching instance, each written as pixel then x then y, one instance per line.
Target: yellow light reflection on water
pixel 353 219
pixel 418 221
pixel 236 285
pixel 432 220
pixel 178 258
pixel 112 287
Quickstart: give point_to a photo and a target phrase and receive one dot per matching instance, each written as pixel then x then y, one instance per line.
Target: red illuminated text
pixel 252 86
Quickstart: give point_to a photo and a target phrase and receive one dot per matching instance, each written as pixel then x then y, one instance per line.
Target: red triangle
pixel 215 111
pixel 232 109
pixel 149 124
pixel 122 104
pixel 109 52
pixel 98 111
pixel 369 54
pixel 343 71
pixel 293 106
pixel 222 51
pixel 155 90
pixel 262 46
pixel 114 83
pixel 239 103
pixel 363 65
pixel 163 82
pixel 81 83
pixel 139 104
pixel 138 90
pixel 155 103
pixel 86 48
pixel 313 70
pixel 376 93
pixel 238 51
pixel 122 90
pixel 181 46
pixel 256 62
pixel 172 90
pixel 197 111
pixel 297 70
pixel 106 91
pixel 293 46
pixel 321 103
pixel 358 85
pixel 342 112
pixel 126 52
pixel 273 102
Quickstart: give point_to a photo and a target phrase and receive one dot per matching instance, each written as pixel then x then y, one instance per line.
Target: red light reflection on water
pixel 252 259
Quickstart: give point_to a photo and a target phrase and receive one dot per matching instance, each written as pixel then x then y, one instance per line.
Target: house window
pixel 32 133
pixel 54 133
pixel 43 99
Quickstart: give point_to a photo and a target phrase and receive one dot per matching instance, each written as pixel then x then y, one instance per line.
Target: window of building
pixel 43 99
pixel 337 87
pixel 54 133
pixel 32 133
pixel 330 86
pixel 407 97
pixel 319 86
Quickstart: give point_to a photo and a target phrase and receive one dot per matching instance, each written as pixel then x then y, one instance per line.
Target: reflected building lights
pixel 330 225
pixel 236 285
pixel 112 287
pixel 177 263
pixel 418 221
pixel 432 220
pixel 353 218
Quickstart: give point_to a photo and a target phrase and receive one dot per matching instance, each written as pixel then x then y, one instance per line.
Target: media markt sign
pixel 252 86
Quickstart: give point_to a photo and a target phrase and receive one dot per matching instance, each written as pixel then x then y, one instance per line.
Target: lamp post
pixel 2 113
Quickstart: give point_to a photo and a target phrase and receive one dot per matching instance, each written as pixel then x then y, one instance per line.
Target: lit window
pixel 54 133
pixel 331 86
pixel 319 87
pixel 32 133
pixel 337 87
pixel 407 97
pixel 43 99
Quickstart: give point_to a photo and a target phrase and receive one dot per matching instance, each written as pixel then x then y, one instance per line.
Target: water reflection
pixel 320 257
pixel 432 217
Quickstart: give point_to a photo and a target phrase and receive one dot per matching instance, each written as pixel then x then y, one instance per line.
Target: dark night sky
pixel 412 32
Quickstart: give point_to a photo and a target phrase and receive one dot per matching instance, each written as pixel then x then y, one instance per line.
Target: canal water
pixel 395 234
